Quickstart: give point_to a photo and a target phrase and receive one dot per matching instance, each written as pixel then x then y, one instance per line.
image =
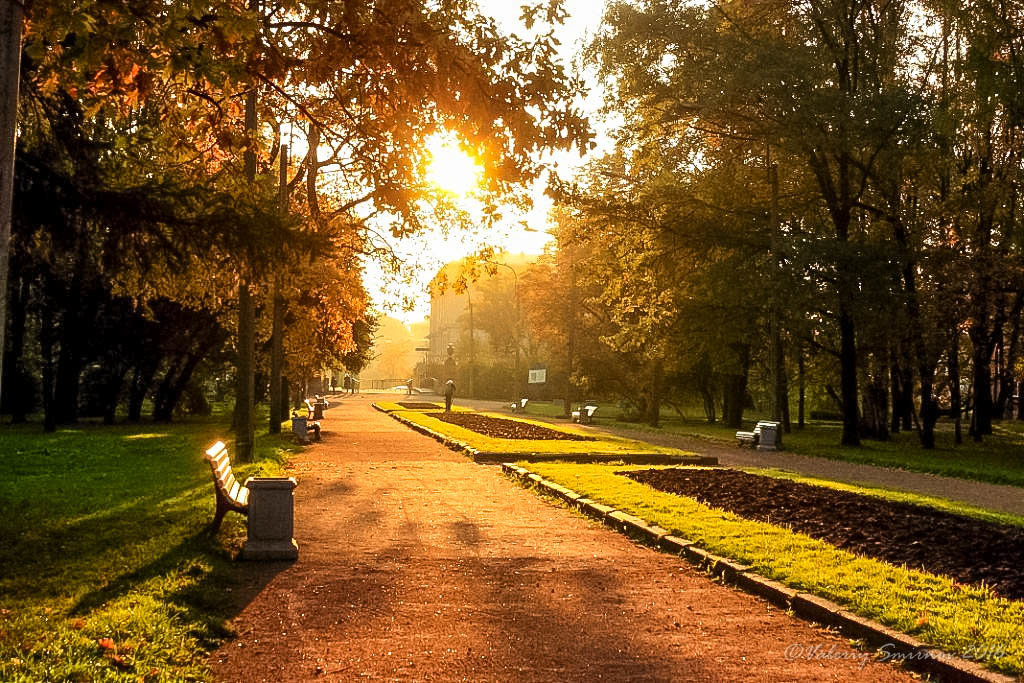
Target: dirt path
pixel 997 497
pixel 416 564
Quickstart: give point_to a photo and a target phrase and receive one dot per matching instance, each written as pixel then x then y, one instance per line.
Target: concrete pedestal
pixel 771 437
pixel 271 519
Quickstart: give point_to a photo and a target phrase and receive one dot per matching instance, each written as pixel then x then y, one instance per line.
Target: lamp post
pixel 516 384
pixel 472 348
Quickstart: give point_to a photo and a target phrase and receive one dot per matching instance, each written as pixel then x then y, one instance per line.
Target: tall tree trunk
pixel 142 380
pixel 954 386
pixel 802 388
pixel 245 409
pixel 174 385
pixel 657 382
pixel 735 388
pixel 1007 382
pixel 11 15
pixel 897 392
pixel 278 410
pixel 848 377
pixel 47 338
pixel 981 360
pixel 17 389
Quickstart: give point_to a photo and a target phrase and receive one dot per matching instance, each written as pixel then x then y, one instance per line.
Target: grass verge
pixel 958 619
pixel 106 569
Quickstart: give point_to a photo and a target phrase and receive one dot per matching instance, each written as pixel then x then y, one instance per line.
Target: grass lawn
pixel 998 459
pixel 955 618
pixel 106 572
pixel 605 444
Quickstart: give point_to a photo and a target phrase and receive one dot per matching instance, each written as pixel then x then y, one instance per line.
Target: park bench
pixel 767 436
pixel 230 494
pixel 585 415
pixel 519 407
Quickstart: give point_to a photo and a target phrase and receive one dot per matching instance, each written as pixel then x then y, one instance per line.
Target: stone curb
pixel 486 457
pixel 898 646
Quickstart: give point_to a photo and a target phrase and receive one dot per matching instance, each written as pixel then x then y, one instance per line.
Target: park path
pixel 416 564
pixel 996 497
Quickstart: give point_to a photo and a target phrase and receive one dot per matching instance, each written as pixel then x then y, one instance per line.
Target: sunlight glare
pixel 451 169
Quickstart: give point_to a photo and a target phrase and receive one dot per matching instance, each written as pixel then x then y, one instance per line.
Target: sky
pixel 425 253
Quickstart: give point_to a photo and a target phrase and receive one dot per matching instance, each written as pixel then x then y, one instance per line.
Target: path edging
pixel 911 651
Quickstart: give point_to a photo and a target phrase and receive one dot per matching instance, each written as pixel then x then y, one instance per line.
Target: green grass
pixel 955 618
pixel 104 536
pixel 605 444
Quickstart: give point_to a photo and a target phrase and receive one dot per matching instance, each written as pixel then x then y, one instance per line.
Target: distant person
pixel 449 394
pixel 408 386
pixel 347 383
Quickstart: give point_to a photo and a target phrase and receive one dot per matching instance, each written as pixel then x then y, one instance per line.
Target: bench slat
pixel 233 491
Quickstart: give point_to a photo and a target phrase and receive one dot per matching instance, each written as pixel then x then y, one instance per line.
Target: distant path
pixel 416 564
pixel 996 497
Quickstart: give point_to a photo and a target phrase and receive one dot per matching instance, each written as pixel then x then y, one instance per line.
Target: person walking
pixel 449 394
pixel 408 386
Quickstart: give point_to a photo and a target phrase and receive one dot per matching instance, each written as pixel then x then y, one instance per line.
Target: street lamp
pixel 515 293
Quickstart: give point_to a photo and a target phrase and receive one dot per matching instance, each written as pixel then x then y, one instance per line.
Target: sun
pixel 450 168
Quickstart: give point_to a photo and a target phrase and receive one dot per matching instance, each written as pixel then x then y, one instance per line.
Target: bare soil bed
pixel 508 429
pixel 413 405
pixel 969 550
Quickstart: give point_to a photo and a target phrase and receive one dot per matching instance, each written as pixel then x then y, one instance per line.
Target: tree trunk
pixel 17 389
pixel 654 405
pixel 875 400
pixel 11 14
pixel 1007 383
pixel 848 377
pixel 47 335
pixel 278 410
pixel 174 385
pixel 801 382
pixel 735 389
pixel 142 379
pixel 954 386
pixel 981 421
pixel 245 409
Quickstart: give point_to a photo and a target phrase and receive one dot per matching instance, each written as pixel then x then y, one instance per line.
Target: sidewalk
pixel 996 497
pixel 416 564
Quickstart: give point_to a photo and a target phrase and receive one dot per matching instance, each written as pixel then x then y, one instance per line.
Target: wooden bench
pixel 519 407
pixel 230 494
pixel 585 415
pixel 767 436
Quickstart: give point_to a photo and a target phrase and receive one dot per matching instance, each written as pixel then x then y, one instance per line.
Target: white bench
pixel 584 415
pixel 767 436
pixel 231 496
pixel 519 407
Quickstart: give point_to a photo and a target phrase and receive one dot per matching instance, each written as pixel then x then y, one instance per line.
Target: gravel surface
pixel 415 564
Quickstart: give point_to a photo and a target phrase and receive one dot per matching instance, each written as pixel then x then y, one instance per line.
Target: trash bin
pixel 271 519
